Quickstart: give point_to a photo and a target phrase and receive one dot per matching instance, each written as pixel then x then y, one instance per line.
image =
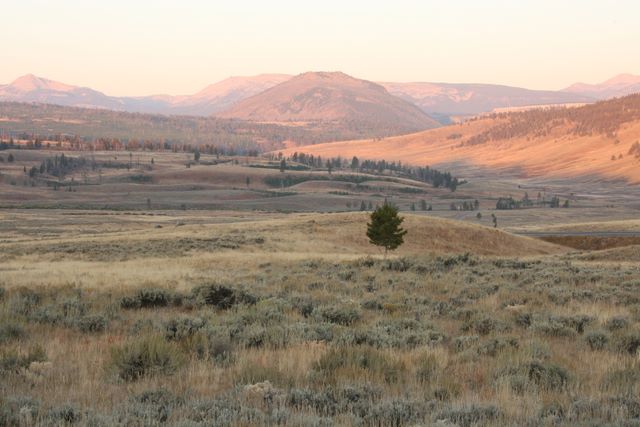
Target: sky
pixel 141 47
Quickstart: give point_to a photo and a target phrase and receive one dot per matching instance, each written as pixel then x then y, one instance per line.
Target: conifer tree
pixel 384 229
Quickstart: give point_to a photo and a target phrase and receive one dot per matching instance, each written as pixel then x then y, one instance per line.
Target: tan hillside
pixel 596 141
pixel 331 96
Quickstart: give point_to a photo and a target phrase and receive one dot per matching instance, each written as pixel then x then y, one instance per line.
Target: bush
pixel 597 340
pixel 222 297
pixel 2 292
pixel 18 411
pixel 470 415
pixel 616 323
pixel 147 356
pixel 183 327
pixel 65 414
pixel 92 323
pixel 427 365
pixel 397 412
pixel 14 362
pixel 547 376
pixel 629 343
pixel 355 360
pixel 151 407
pixel 146 298
pixel 344 316
pixel 10 331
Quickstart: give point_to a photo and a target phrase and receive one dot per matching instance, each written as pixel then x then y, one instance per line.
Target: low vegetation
pixel 419 340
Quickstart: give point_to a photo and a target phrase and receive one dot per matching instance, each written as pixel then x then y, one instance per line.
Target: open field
pixel 148 288
pixel 238 318
pixel 152 181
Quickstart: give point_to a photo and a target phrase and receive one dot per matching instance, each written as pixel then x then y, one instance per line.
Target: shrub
pixel 629 343
pixel 397 412
pixel 62 415
pixel 222 297
pixel 92 323
pixel 344 316
pixel 18 411
pixel 183 327
pixel 616 323
pixel 152 407
pixel 10 331
pixel 596 340
pixel 625 380
pixel 2 292
pixel 483 325
pixel 355 360
pixel 470 415
pixel 461 343
pixel 13 361
pixel 146 298
pixel 427 365
pixel 147 356
pixel 371 305
pixel 547 376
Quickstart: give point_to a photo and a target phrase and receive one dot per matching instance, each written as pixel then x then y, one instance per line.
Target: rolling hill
pixel 332 97
pixel 621 85
pixel 594 142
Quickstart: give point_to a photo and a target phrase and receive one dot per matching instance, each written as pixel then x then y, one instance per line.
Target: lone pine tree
pixel 384 229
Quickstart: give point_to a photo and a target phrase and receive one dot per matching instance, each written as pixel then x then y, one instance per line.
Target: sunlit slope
pixel 597 141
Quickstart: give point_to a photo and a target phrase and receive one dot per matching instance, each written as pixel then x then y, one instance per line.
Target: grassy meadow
pixel 158 290
pixel 231 318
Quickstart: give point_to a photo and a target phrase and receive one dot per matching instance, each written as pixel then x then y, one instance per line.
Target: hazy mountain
pixel 621 85
pixel 442 100
pixel 30 88
pixel 439 100
pixel 211 99
pixel 331 96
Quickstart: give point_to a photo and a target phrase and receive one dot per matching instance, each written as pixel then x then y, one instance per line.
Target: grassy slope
pixel 556 155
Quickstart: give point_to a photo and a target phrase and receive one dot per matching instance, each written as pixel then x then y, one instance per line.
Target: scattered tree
pixel 384 230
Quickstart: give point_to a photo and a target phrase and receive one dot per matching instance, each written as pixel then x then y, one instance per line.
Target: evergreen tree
pixel 384 229
pixel 196 156
pixel 283 165
pixel 363 206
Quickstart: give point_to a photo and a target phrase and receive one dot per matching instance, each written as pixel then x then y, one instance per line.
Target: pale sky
pixel 141 47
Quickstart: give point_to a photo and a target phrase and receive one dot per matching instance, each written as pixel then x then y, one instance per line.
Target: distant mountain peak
pixel 331 96
pixel 31 82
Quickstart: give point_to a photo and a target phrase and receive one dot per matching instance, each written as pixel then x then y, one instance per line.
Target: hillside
pixel 333 97
pixel 443 100
pixel 48 121
pixel 621 85
pixel 594 142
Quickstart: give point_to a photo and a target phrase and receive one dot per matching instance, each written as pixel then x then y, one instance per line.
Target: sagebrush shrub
pixel 344 316
pixel 92 323
pixel 146 356
pixel 146 298
pixel 223 297
pixel 616 323
pixel 11 331
pixel 596 340
pixel 13 361
pixel 465 416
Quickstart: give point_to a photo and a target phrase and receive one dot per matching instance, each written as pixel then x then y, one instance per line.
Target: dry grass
pixel 335 336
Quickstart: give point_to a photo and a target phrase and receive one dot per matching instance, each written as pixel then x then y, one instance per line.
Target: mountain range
pixel 439 100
